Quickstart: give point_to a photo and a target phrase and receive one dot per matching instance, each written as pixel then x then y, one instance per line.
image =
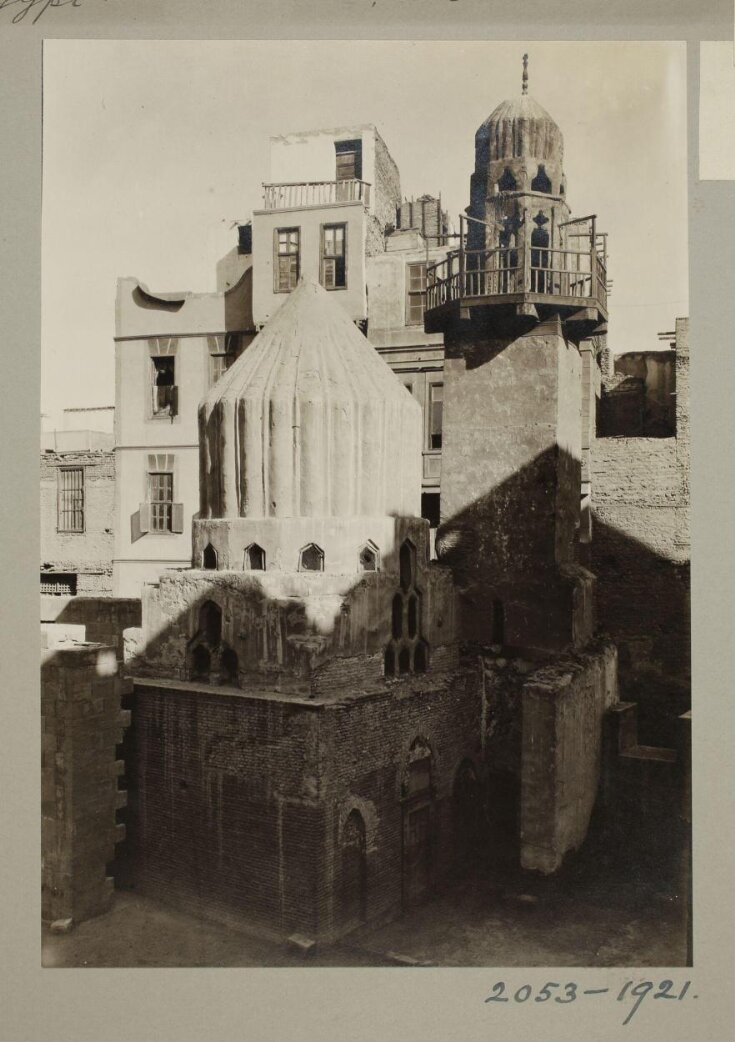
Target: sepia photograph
pixel 364 485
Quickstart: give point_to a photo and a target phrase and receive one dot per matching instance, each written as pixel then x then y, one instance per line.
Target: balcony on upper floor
pixel 522 280
pixel 299 194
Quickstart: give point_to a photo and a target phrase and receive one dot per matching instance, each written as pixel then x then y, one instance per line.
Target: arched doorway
pixel 540 261
pixel 353 871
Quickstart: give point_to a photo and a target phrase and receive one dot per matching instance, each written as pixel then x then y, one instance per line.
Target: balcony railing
pixel 577 275
pixel 292 195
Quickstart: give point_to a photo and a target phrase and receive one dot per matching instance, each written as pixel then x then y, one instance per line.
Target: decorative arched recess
pixel 541 182
pixel 209 557
pixel 407 651
pixel 369 557
pixel 254 558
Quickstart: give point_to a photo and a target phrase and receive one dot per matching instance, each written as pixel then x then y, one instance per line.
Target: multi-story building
pixel 332 214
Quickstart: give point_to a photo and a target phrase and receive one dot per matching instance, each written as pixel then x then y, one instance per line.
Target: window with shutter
pixel 334 242
pixel 415 292
pixel 286 261
pixel 161 496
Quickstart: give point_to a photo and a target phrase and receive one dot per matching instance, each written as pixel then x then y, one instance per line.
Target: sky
pixel 153 150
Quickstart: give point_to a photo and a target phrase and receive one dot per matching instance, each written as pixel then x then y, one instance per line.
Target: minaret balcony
pixel 295 195
pixel 517 280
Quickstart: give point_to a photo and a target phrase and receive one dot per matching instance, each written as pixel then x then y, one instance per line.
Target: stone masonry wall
pixel 237 802
pixel 387 186
pixel 88 553
pixel 82 724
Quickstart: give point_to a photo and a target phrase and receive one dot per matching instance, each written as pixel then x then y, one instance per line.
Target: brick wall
pixel 237 803
pixel 88 553
pixel 82 724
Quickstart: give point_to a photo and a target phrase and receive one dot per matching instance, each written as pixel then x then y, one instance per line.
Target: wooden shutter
pixel 144 511
pixel 177 517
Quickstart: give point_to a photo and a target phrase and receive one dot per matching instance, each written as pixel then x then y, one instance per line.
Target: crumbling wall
pixel 387 187
pixel 82 724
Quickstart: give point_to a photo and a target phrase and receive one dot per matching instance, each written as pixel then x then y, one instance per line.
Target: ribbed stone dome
pixel 309 421
pixel 518 127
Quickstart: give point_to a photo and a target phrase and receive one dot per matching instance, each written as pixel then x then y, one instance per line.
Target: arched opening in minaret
pixel 507 182
pixel 311 559
pixel 229 666
pixel 200 663
pixel 541 182
pixel 210 623
pixel 540 275
pixel 254 558
pixel 209 557
pixel 406 563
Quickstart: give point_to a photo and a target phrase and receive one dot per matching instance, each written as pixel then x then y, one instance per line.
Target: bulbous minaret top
pixel 309 422
pixel 519 150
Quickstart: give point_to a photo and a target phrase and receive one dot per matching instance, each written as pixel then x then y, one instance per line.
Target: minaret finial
pixel 525 74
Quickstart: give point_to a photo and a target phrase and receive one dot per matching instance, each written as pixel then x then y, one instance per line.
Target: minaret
pixel 514 302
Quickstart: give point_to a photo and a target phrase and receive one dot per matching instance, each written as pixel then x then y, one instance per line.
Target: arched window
pixel 255 558
pixel 210 623
pixel 404 660
pixel 540 275
pixel 507 182
pixel 541 182
pixel 311 559
pixel 209 557
pixel 368 557
pixel 407 564
pixel 353 870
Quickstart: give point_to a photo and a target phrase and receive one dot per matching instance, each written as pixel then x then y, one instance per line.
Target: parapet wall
pixel 104 618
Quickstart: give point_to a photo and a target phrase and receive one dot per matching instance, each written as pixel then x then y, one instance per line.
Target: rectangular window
pixel 70 507
pixel 436 408
pixel 334 240
pixel 59 584
pixel 161 498
pixel 164 385
pixel 287 246
pixel 415 293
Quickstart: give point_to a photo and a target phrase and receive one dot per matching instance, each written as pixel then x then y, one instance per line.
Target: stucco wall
pixel 309 221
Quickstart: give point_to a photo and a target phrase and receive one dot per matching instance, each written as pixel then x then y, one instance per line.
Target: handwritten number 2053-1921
pixel 569 992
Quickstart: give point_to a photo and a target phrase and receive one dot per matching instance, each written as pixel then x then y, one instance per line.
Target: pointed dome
pixel 518 127
pixel 309 421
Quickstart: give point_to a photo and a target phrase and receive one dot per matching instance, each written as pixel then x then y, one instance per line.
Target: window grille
pixel 58 584
pixel 70 515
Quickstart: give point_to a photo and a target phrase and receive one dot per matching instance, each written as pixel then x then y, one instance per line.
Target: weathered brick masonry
pixel 238 803
pixel 82 723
